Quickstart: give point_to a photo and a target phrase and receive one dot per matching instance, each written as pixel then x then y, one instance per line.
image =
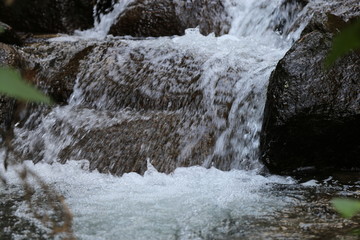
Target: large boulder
pixel 135 101
pixel 45 16
pixel 144 111
pixel 312 114
pixel 147 18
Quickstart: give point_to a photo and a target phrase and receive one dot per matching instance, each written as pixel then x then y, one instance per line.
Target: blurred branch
pixel 53 201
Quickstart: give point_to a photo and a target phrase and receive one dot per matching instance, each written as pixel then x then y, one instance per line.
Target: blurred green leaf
pixel 11 84
pixel 356 232
pixel 2 29
pixel 347 40
pixel 346 207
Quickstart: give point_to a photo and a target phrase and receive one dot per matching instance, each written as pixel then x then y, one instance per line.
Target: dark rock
pixel 61 85
pixel 57 76
pixel 312 115
pixel 148 18
pixel 145 18
pixel 8 36
pixel 103 7
pixel 285 15
pixel 45 16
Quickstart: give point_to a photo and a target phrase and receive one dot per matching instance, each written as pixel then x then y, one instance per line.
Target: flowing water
pixel 172 102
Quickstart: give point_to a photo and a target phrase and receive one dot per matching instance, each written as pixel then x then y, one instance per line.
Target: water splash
pixel 188 204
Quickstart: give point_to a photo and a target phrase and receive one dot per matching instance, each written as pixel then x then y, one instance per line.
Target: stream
pixel 188 111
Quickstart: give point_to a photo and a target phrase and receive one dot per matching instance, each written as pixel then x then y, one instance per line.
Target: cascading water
pixel 210 92
pixel 156 105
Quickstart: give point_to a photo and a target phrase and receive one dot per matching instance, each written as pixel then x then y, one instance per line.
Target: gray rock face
pixel 48 16
pixel 312 115
pixel 146 18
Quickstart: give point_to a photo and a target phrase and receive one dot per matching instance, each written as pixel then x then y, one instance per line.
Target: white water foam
pixel 188 204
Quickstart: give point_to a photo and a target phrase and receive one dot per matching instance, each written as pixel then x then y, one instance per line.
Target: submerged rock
pixel 44 16
pixel 145 18
pixel 312 115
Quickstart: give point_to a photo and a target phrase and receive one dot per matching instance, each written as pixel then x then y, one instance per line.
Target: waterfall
pixel 207 91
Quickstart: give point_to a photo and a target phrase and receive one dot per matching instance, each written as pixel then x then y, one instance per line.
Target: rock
pixel 57 76
pixel 103 7
pixel 147 112
pixel 44 16
pixel 134 101
pixel 312 114
pixel 146 18
pixel 8 36
pixel 9 56
pixel 61 85
pixel 284 16
pixel 209 15
pixel 135 138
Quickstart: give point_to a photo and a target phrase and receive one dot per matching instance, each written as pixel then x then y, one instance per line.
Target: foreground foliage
pixel 11 84
pixel 346 207
pixel 347 40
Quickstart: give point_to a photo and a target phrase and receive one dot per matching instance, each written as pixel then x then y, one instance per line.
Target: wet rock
pixel 134 101
pixel 144 18
pixel 312 114
pixel 140 78
pixel 155 111
pixel 103 7
pixel 209 15
pixel 283 22
pixel 61 85
pixel 57 75
pixel 43 16
pixel 126 146
pixel 8 36
pixel 9 56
